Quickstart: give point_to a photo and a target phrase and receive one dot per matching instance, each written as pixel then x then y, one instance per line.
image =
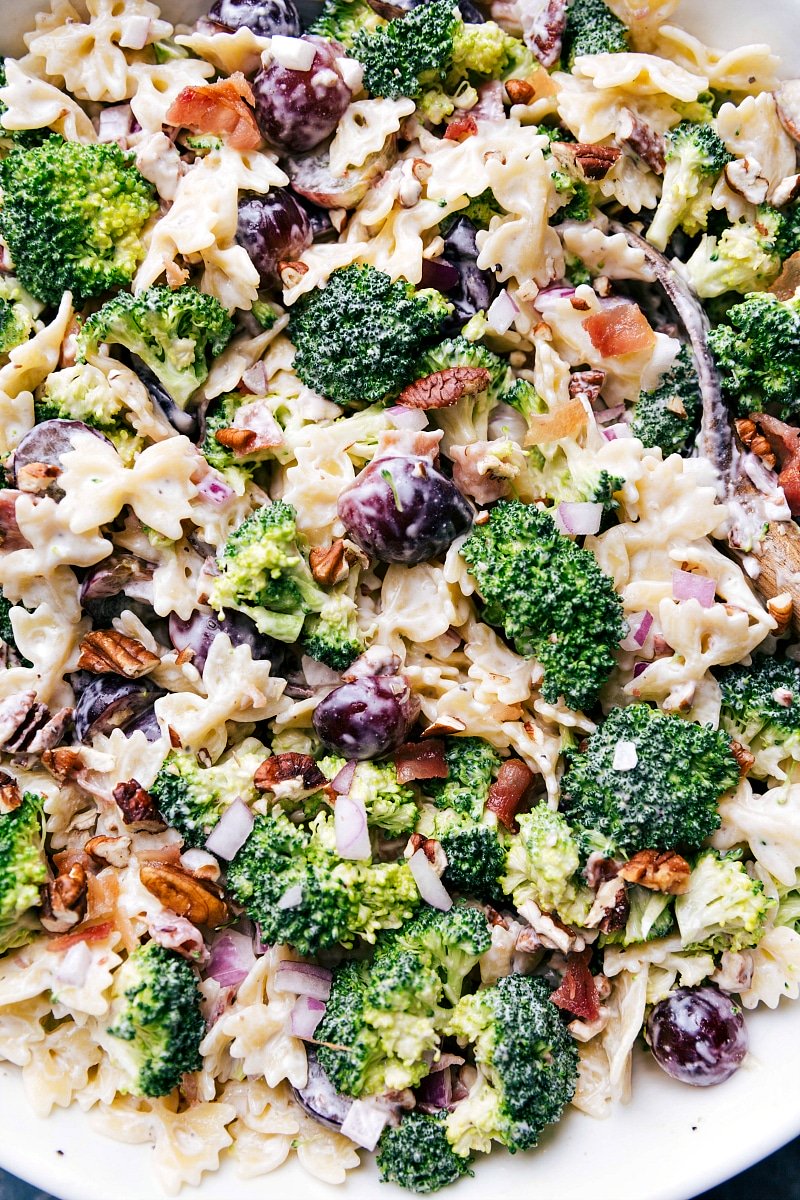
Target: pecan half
pixel 519 91
pixel 660 872
pixel 421 760
pixel 430 848
pixel 10 794
pixel 586 384
pixel 290 768
pixel 444 388
pixel 109 851
pixel 592 161
pixel 136 805
pixel 787 102
pixel 461 128
pixel 199 900
pixel 106 651
pixel 63 764
pixel 64 900
pixel 239 441
pixel 505 795
pixel 742 755
pixel 329 563
pixel 543 25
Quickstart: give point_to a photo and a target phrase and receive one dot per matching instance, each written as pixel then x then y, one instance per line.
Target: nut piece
pixel 786 191
pixel 643 140
pixel 586 384
pixel 743 756
pixel 136 804
pixel 787 102
pixel 63 764
pixel 10 794
pixel 444 388
pixel 506 793
pixel 519 91
pixel 239 441
pixel 329 563
pixel 744 176
pixel 543 26
pixel 105 651
pixel 37 477
pixel 592 161
pixel 199 900
pixel 298 771
pixel 64 900
pixel 660 872
pixel 109 851
pixel 430 848
pixel 780 609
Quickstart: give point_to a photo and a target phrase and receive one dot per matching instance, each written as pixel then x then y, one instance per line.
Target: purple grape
pixel 267 18
pixel 296 110
pixel 402 510
pixel 272 229
pixel 46 443
pixel 698 1036
pixel 440 274
pixel 319 1097
pixel 198 633
pixel 111 701
pixel 147 723
pixel 476 288
pixel 367 717
pixel 120 572
pixel 184 422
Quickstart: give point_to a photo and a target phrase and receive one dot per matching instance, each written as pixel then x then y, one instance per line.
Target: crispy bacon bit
pixel 421 760
pixel 87 933
pixel 135 803
pixel 577 992
pixel 666 872
pixel 289 767
pixel 785 443
pixel 619 330
pixel 443 388
pixel 220 109
pixel 11 537
pixel 407 441
pixel 586 385
pixel 566 421
pixel 178 934
pixel 643 139
pixel 10 794
pixel 543 24
pixel 37 477
pixel 787 282
pixel 506 793
pixel 461 128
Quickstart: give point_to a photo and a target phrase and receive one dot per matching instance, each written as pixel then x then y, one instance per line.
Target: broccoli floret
pixel 761 709
pixel 172 332
pixel 264 313
pixel 668 799
pixel 527 1065
pixel 192 798
pixel 342 20
pixel 757 353
pixel 358 338
pixel 543 864
pixel 575 198
pixel 220 415
pixel 416 1155
pixel 332 636
pixel 550 597
pixel 16 324
pixel 450 942
pixel 592 28
pixel 291 880
pixel 264 574
pixel 72 217
pixel 390 805
pixel 745 257
pixel 669 415
pixel 696 156
pixel 155 1017
pixel 479 211
pixel 650 916
pixel 724 909
pixel 471 766
pixel 82 393
pixel 23 869
pixel 476 857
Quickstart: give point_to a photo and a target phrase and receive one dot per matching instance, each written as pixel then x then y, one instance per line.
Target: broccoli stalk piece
pixel 723 909
pixel 745 257
pixel 757 352
pixel 650 916
pixel 192 798
pixel 543 865
pixel 390 805
pixel 358 339
pixel 669 416
pixel 72 217
pixel 668 799
pixel 592 28
pixel 172 332
pixel 550 597
pixel 342 20
pixel 754 712
pixel 82 393
pixel 416 1154
pixel 264 574
pixel 471 765
pixel 291 880
pixel 23 869
pixel 696 157
pixel 155 1020
pixel 332 636
pixel 527 1066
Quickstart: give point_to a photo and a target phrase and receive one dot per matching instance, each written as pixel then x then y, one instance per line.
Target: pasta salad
pixel 399 703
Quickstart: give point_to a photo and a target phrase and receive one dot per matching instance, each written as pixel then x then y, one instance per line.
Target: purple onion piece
pixel 110 702
pixel 319 1098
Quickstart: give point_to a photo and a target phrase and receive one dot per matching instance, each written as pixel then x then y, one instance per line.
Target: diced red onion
pixel 291 897
pixel 436 1091
pixel 114 124
pixel 214 488
pixel 341 782
pixel 580 519
pixel 74 966
pixel 625 756
pixel 501 312
pixel 490 102
pixel 306 1016
pixel 304 979
pixel 255 378
pixel 444 1061
pixel 135 31
pixel 350 828
pixel 548 295
pixel 604 416
pixel 232 830
pixel 232 957
pixel 639 669
pixel 688 586
pixel 407 418
pixel 430 886
pixel 364 1123
pixel 639 626
pixel 614 432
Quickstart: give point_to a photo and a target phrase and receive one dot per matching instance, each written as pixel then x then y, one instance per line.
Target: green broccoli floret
pixel 82 393
pixel 221 414
pixel 468 420
pixel 650 916
pixel 696 157
pixel 264 313
pixel 290 879
pixel 592 28
pixel 155 1017
pixel 543 865
pixel 16 324
pixel 72 217
pixel 550 597
pixel 264 574
pixel 471 765
pixel 192 798
pixel 359 338
pixel 668 799
pixel 761 709
pixel 724 909
pixel 23 869
pixel 342 20
pixel 416 1155
pixel 332 636
pixel 450 942
pixel 390 805
pixel 527 1065
pixel 745 257
pixel 172 332
pixel 575 198
pixel 757 352
pixel 669 415
pixel 479 211
pixel 476 857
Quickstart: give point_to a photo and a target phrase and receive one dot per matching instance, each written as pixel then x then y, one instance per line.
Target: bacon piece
pixel 543 24
pixel 461 128
pixel 505 795
pixel 401 442
pixel 11 537
pixel 566 421
pixel 577 992
pixel 219 109
pixel 785 442
pixel 619 330
pixel 87 933
pixel 421 760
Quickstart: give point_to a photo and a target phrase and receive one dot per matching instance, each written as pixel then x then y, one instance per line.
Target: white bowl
pixel 670 1143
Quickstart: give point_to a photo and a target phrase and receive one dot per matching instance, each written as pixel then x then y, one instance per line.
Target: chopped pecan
pixel 289 768
pixel 37 477
pixel 239 441
pixel 784 441
pixel 592 161
pixel 743 176
pixel 519 91
pixel 780 609
pixel 109 851
pixel 106 651
pixel 786 191
pixel 199 900
pixel 444 388
pixel 506 793
pixel 10 794
pixel 663 871
pixel 329 563
pixel 787 102
pixel 26 725
pixel 430 848
pixel 577 992
pixel 599 870
pixel 643 139
pixel 742 755
pixel 586 384
pixel 421 760
pixel 291 273
pixel 136 805
pixel 443 724
pixel 461 128
pixel 48 734
pixel 13 711
pixel 543 24
pixel 63 764
pixel 64 900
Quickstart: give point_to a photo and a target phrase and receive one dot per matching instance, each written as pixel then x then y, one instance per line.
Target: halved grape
pixel 367 717
pixel 698 1036
pixel 267 18
pixel 296 110
pixel 111 701
pixel 319 1097
pixel 476 288
pixel 46 443
pixel 198 633
pixel 272 229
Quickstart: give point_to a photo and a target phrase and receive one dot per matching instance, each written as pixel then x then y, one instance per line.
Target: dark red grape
pixel 402 510
pixel 267 18
pixel 184 422
pixel 46 443
pixel 120 572
pixel 296 110
pixel 110 701
pixel 367 717
pixel 198 633
pixel 272 229
pixel 440 274
pixel 319 1097
pixel 476 288
pixel 698 1036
